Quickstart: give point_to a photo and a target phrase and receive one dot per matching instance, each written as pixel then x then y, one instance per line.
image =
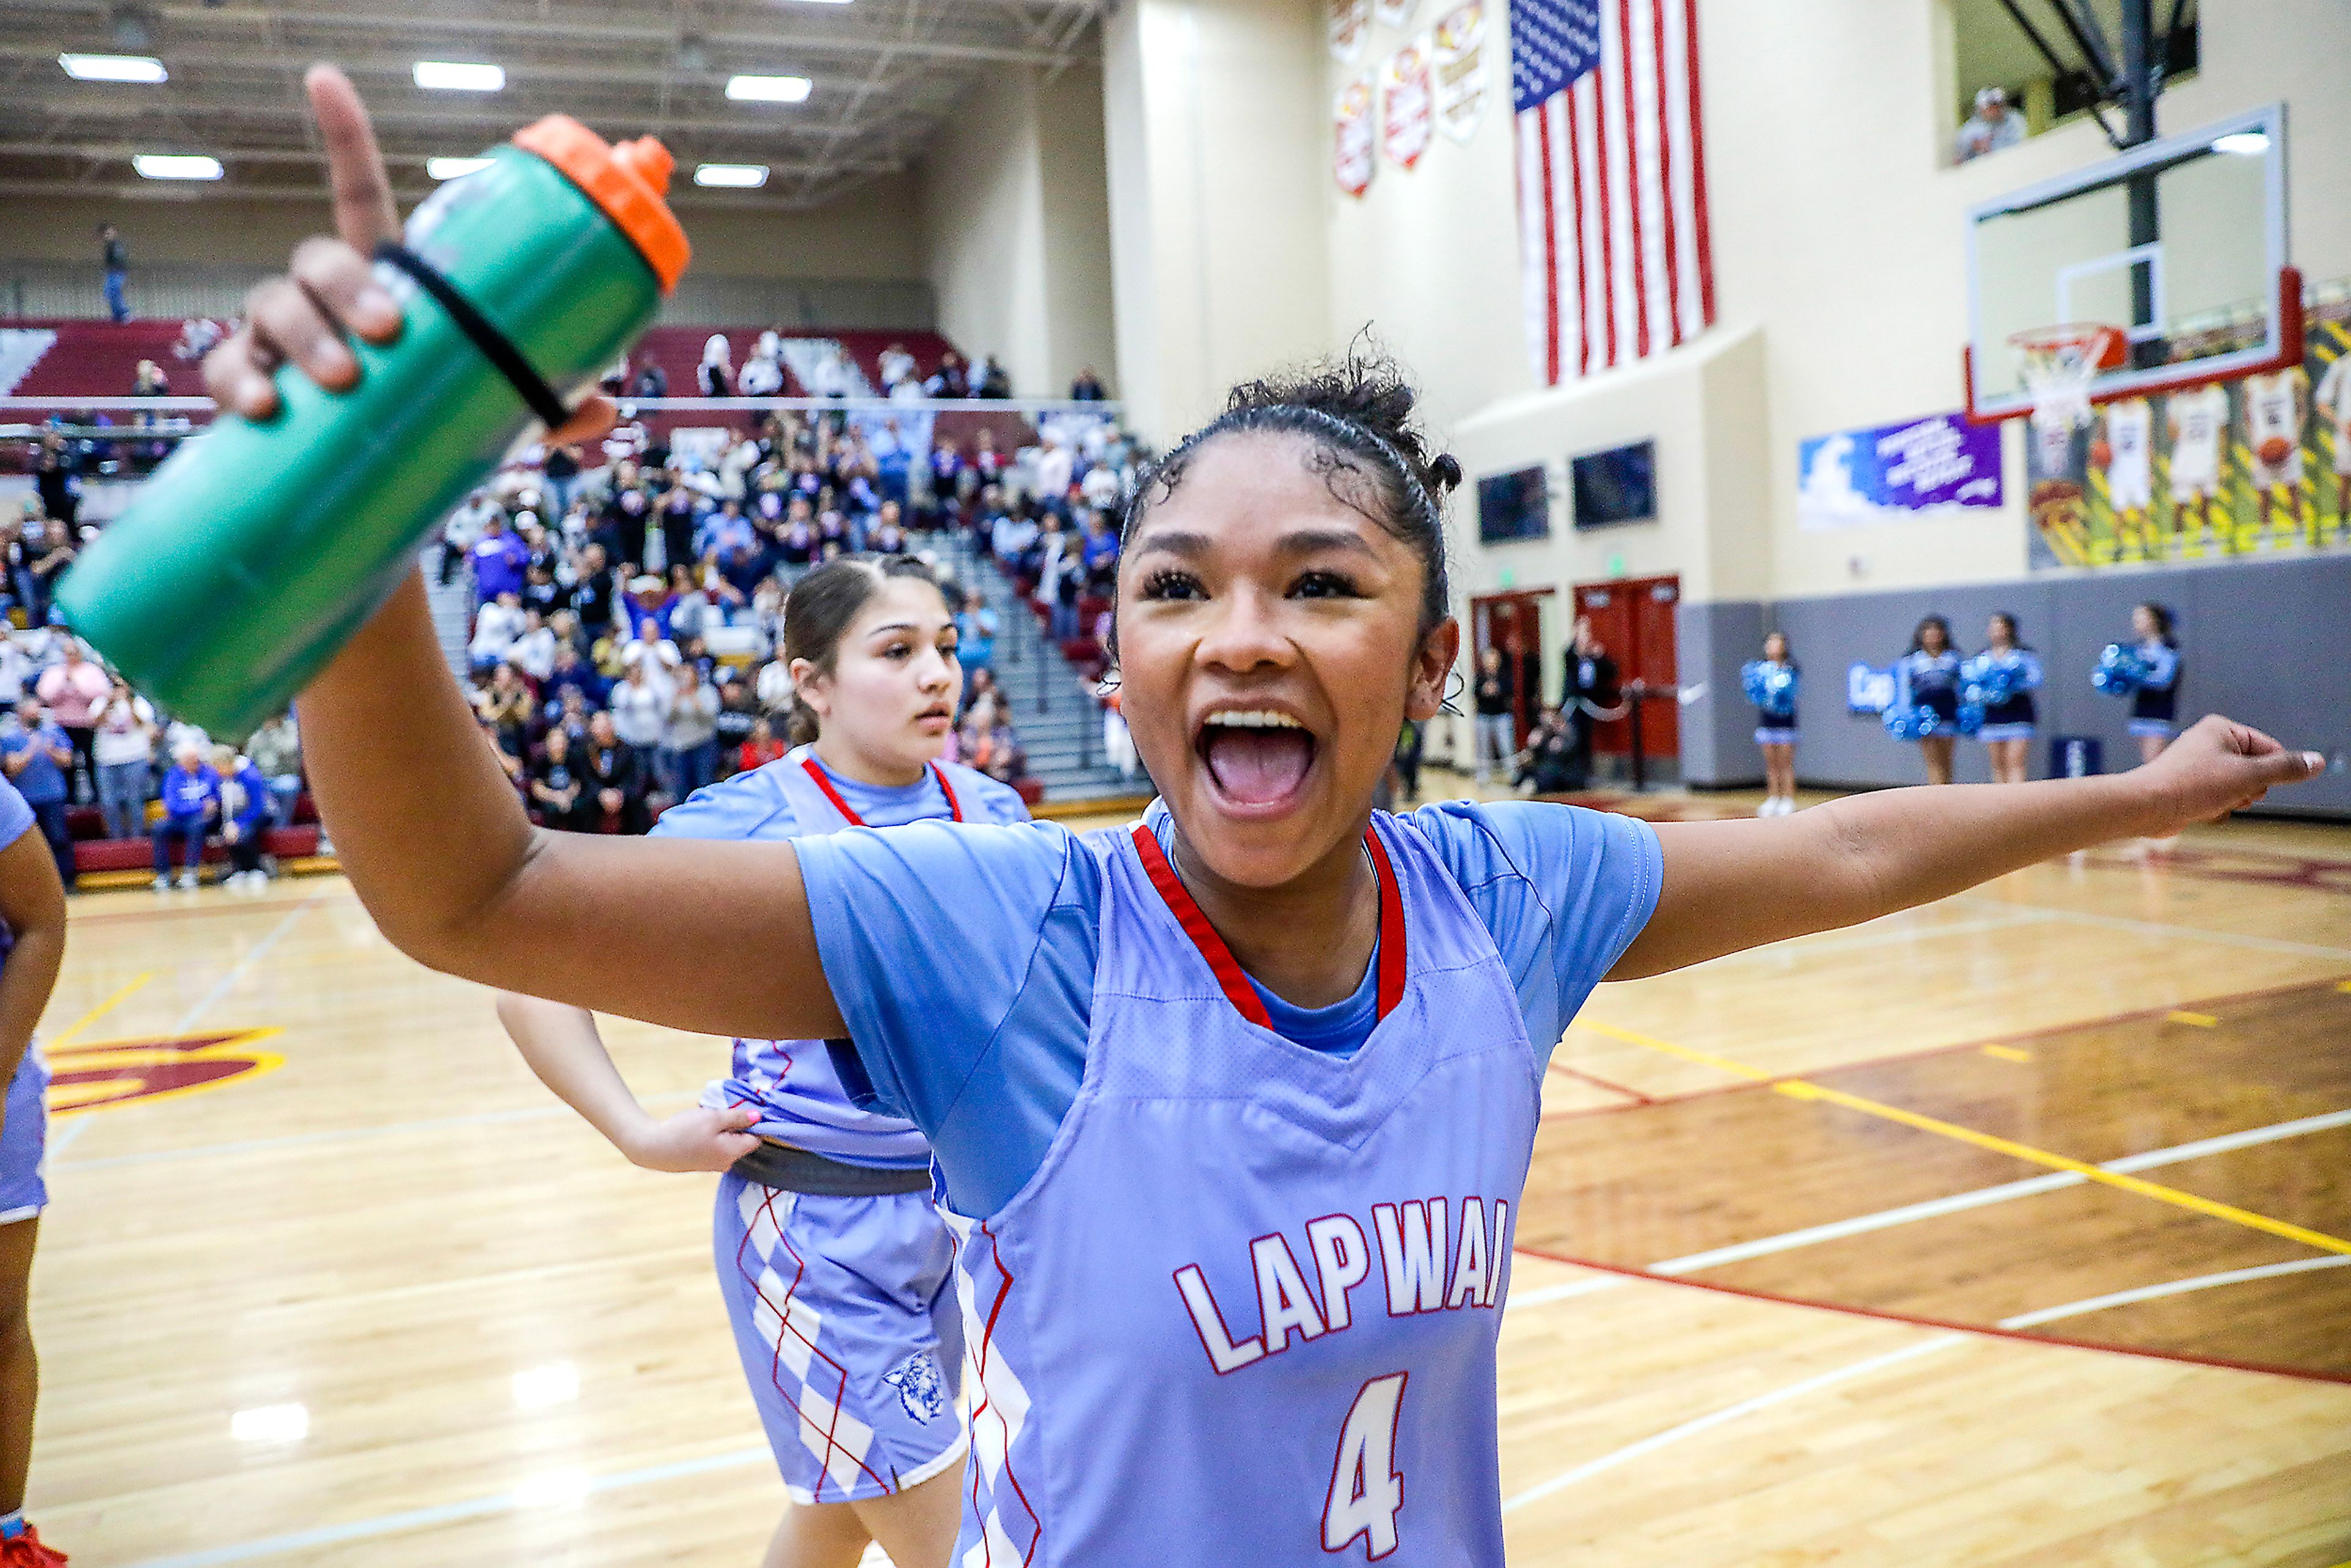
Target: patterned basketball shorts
pixel 24 1138
pixel 844 1312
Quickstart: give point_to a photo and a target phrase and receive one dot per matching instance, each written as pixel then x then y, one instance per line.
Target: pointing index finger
pixel 364 215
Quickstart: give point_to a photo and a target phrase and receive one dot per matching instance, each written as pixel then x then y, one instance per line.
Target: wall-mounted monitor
pixel 1618 486
pixel 1513 506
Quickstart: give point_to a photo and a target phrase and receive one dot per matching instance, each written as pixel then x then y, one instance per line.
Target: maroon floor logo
pixel 121 1071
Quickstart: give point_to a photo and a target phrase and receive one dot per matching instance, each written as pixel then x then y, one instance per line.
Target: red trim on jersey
pixel 824 782
pixel 1228 969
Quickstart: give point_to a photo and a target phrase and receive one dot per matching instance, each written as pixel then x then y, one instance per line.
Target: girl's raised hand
pixel 330 293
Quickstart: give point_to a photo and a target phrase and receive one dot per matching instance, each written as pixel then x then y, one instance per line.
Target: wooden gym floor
pixel 2011 1231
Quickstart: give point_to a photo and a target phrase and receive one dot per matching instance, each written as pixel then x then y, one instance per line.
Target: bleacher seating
pixel 100 359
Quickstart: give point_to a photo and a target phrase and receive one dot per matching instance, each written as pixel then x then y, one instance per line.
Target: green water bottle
pixel 262 545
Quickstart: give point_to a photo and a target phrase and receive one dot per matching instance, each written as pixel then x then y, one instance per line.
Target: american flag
pixel 1611 180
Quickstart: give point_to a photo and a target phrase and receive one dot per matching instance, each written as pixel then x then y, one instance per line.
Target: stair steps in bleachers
pixel 21 349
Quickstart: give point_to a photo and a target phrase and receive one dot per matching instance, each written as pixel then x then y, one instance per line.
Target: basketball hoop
pixel 2058 364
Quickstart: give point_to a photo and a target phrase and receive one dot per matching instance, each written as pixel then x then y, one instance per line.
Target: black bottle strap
pixel 503 355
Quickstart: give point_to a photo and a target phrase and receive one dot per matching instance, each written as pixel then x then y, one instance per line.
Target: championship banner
pixel 2256 466
pixel 1396 13
pixel 1350 23
pixel 1911 472
pixel 1407 102
pixel 1356 157
pixel 1461 70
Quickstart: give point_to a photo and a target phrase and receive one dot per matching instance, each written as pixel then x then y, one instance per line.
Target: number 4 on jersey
pixel 1367 1489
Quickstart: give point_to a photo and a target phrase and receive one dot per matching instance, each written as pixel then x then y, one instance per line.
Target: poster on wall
pixel 1350 25
pixel 1917 471
pixel 1356 156
pixel 1407 102
pixel 1461 71
pixel 1396 13
pixel 2256 466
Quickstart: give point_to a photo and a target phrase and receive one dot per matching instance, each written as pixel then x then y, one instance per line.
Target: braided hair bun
pixel 1358 414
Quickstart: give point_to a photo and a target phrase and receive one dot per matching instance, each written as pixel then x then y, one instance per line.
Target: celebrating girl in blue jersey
pixel 833 1260
pixel 2007 674
pixel 32 944
pixel 1234 1108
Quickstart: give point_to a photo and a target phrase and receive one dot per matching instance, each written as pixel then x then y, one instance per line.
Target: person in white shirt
pixel 828 375
pixel 898 368
pixel 1055 463
pixel 2334 402
pixel 495 626
pixel 688 758
pixel 641 702
pixel 774 686
pixel 533 650
pixel 2198 421
pixel 124 750
pixel 2276 408
pixel 1994 125
pixel 1101 487
pixel 16 668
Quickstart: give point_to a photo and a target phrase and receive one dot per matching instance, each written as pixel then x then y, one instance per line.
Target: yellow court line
pixel 2199 1021
pixel 97 1012
pixel 2007 1053
pixel 1800 1089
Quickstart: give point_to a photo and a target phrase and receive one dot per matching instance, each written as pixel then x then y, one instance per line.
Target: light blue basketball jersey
pixel 1246 1309
pixel 792 1081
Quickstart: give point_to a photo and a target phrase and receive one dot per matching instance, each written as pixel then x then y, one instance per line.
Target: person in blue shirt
pixel 500 561
pixel 32 946
pixel 842 1191
pixel 1211 1100
pixel 975 627
pixel 37 753
pixel 192 802
pixel 243 792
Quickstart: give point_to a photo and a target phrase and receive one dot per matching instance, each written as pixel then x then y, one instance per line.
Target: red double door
pixel 1633 619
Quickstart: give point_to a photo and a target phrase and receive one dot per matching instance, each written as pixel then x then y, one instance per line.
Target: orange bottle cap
pixel 629 182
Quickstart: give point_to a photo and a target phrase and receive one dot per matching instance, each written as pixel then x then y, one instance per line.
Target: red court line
pixel 1598 1082
pixel 2301 1373
pixel 1894 1057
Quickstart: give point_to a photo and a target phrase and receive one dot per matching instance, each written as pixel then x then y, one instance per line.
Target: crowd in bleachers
pixel 627 601
pixel 628 604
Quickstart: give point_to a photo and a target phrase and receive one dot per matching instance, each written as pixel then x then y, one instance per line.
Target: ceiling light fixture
pixel 454 168
pixel 768 89
pixel 114 68
pixel 460 75
pixel 176 166
pixel 732 176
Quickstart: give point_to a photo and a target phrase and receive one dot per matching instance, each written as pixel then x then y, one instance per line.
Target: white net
pixel 2058 366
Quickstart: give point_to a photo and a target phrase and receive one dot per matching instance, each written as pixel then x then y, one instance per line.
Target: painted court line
pixel 99 1011
pixel 1940 1342
pixel 563 1488
pixel 2185 933
pixel 1873 935
pixel 222 987
pixel 342 1135
pixel 1801 1089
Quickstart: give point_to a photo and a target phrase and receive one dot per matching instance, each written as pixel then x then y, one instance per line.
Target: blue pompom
pixel 2121 671
pixel 1987 683
pixel 1771 687
pixel 1970 715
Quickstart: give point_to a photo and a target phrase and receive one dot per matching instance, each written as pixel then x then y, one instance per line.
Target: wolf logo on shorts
pixel 922 1389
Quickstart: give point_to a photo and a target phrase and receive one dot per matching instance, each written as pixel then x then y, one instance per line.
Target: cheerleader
pixel 32 944
pixel 1770 683
pixel 1210 1094
pixel 862 1420
pixel 2155 705
pixel 1929 674
pixel 2006 673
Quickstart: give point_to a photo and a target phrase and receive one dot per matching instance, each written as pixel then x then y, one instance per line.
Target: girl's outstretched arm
pixel 1733 885
pixel 429 830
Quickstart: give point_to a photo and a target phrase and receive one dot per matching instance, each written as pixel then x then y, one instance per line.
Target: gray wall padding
pixel 1711 641
pixel 2263 642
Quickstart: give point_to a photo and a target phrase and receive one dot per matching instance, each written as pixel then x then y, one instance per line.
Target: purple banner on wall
pixel 1893 473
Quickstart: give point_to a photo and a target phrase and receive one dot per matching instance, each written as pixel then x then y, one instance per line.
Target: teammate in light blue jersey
pixel 831 1258
pixel 32 944
pixel 1235 1106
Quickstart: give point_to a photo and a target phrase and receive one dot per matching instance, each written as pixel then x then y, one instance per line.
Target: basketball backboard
pixel 2180 243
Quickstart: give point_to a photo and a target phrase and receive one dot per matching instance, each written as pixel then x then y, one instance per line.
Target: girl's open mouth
pixel 1258 758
